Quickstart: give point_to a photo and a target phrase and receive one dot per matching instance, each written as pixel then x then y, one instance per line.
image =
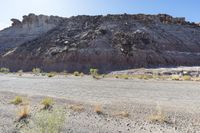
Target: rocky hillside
pixel 109 42
pixel 28 29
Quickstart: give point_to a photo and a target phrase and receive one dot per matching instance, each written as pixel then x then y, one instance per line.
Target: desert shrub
pixel 186 77
pixel 175 77
pixel 76 73
pixel 17 100
pixel 95 74
pixel 116 76
pixel 81 74
pixel 94 71
pixel 98 109
pixel 4 70
pixel 47 102
pixel 51 74
pixel 36 71
pixel 158 116
pixel 47 122
pixel 24 112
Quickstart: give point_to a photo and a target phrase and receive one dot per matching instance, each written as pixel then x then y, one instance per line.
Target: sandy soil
pixel 179 101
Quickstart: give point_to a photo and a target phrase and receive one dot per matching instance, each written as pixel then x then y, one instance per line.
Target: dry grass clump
pixel 17 100
pixel 51 74
pixel 76 73
pixel 175 77
pixel 196 78
pixel 47 103
pixel 123 114
pixel 77 108
pixel 98 109
pixel 186 77
pixel 24 112
pixel 158 116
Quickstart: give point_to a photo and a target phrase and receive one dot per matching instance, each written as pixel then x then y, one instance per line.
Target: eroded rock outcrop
pixel 28 29
pixel 109 42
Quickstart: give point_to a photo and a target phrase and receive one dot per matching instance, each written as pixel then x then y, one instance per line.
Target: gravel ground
pixel 179 101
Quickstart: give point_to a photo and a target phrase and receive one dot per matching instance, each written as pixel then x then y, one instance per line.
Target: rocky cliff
pixel 28 29
pixel 109 42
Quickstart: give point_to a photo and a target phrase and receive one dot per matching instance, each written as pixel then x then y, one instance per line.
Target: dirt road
pixel 106 91
pixel 179 100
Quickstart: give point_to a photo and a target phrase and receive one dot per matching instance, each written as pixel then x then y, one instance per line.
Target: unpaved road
pixel 177 94
pixel 179 100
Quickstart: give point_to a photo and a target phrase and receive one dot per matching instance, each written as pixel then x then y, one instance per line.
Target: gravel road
pixel 106 91
pixel 179 100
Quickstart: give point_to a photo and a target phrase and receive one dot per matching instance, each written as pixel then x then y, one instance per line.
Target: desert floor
pixel 177 101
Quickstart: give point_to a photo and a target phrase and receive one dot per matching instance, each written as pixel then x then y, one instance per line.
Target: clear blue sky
pixel 17 8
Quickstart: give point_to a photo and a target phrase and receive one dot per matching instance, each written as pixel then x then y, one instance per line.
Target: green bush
pixel 47 122
pixel 17 100
pixel 94 71
pixel 47 102
pixel 4 70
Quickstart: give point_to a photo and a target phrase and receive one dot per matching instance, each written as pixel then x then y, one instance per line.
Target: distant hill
pixel 111 42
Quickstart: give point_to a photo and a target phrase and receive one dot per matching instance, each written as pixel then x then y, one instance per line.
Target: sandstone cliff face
pixel 109 42
pixel 30 28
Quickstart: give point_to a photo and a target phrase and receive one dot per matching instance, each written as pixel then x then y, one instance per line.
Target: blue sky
pixel 17 8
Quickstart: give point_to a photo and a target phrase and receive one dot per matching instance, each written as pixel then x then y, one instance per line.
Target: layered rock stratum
pixel 110 42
